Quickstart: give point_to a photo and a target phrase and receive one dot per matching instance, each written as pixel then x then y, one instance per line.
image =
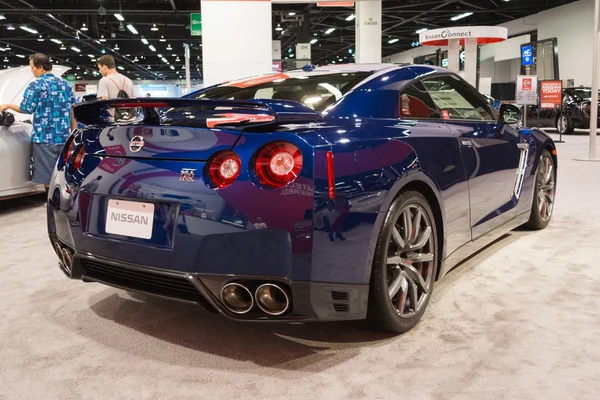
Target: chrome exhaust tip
pixel 272 299
pixel 59 252
pixel 237 298
pixel 67 260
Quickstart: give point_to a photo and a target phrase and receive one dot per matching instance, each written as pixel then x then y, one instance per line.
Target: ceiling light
pixel 165 60
pixel 461 16
pixel 291 14
pixel 154 27
pixel 10 28
pixel 76 49
pixel 91 56
pixel 172 67
pixel 279 28
pixel 159 55
pixel 351 17
pixel 152 48
pixel 20 56
pixel 328 31
pixel 169 47
pixel 84 27
pixel 7 47
pixel 5 59
pixel 119 17
pixel 421 30
pixel 162 39
pixel 2 16
pixel 117 46
pixel 132 29
pixel 177 59
pixel 149 67
pixel 102 38
pixel 28 29
pixel 135 59
pixel 144 40
pixel 63 47
pixel 121 68
pixel 40 39
pixel 392 41
pixel 56 41
pixel 314 41
pixel 78 68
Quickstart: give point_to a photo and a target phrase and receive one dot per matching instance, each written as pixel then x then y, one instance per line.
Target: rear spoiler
pixel 206 113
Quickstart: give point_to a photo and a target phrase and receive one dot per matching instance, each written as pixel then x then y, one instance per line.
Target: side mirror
pixel 509 114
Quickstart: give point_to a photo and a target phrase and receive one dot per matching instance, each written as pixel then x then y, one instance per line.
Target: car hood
pixel 13 82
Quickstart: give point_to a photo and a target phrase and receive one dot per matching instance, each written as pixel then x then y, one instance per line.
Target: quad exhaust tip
pixel 237 298
pixel 272 299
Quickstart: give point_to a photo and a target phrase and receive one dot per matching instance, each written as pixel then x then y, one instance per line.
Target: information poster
pixel 550 94
pixel 526 90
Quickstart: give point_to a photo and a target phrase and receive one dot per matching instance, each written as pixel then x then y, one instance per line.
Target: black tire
pixel 538 219
pixel 567 128
pixel 382 314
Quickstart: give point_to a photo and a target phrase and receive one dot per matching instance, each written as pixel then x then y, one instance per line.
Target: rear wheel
pixel 404 266
pixel 564 124
pixel 543 198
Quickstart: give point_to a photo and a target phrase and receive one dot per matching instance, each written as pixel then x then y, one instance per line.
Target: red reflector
pixel 142 105
pixel 330 175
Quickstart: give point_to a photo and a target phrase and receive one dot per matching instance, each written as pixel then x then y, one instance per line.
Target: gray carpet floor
pixel 520 320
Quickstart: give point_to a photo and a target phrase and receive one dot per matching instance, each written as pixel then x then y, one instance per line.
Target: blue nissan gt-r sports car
pixel 323 194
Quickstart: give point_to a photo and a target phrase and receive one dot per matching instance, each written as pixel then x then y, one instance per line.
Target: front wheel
pixel 564 124
pixel 543 197
pixel 405 265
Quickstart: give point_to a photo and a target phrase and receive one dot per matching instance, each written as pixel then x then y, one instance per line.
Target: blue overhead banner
pixel 527 55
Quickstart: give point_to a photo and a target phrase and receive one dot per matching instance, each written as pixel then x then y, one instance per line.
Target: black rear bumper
pixel 310 301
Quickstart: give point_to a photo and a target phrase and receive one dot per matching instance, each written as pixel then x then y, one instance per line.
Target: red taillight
pixel 278 164
pixel 68 149
pixel 78 158
pixel 224 168
pixel 330 175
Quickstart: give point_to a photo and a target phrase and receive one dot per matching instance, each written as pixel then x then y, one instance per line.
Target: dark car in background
pixel 574 113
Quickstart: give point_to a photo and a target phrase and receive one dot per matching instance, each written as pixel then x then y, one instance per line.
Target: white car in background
pixel 15 140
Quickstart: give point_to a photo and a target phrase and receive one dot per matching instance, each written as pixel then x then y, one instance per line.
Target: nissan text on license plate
pixel 130 218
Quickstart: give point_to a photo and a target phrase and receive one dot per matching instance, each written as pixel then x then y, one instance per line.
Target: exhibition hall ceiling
pixel 76 32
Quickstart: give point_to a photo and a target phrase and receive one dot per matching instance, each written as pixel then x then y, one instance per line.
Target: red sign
pixel 550 94
pixel 527 86
pixel 80 87
pixel 335 4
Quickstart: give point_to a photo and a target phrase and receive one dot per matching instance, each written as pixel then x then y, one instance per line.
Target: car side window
pixel 456 100
pixel 416 103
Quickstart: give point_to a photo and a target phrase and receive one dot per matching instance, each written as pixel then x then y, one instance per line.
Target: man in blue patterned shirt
pixel 49 98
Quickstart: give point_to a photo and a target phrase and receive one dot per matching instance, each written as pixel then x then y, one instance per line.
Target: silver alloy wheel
pixel 545 188
pixel 562 123
pixel 410 261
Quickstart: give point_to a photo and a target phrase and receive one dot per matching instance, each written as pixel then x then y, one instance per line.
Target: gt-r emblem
pixel 187 175
pixel 136 144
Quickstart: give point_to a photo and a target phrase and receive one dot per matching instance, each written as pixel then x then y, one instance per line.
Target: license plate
pixel 130 218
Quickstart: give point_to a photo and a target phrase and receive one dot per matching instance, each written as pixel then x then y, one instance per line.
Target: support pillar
pixel 227 54
pixel 471 61
pixel 454 55
pixel 368 32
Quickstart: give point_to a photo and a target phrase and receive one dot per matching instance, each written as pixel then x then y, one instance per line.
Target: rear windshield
pixel 317 92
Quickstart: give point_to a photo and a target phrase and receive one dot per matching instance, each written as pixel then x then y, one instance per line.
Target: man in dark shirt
pixel 49 98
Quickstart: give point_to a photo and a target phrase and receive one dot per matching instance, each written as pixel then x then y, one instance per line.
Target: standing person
pixel 49 98
pixel 112 85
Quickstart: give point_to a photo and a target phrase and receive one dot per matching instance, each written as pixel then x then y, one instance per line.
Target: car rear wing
pixel 207 113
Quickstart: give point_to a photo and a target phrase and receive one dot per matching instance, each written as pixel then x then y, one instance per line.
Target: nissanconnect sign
pixel 448 34
pixel 483 34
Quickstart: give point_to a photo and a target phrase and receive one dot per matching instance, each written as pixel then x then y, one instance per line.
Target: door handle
pixel 466 142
